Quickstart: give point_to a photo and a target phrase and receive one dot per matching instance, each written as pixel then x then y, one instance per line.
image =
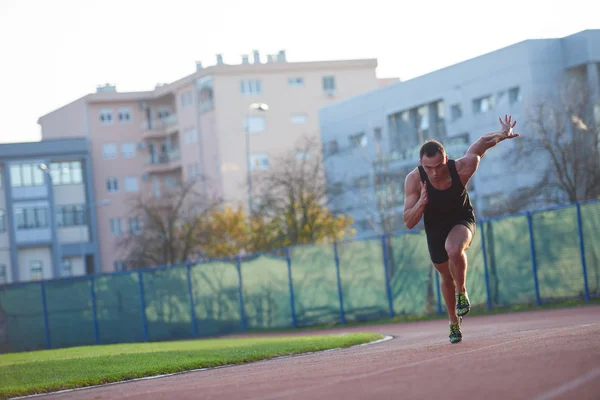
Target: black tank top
pixel 445 205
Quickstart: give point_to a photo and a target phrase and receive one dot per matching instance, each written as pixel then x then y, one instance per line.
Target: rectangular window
pixel 26 175
pixel 3 274
pixel 2 221
pixel 135 226
pixel 358 140
pixel 106 117
pixel 329 83
pixel 299 118
pixel 250 87
pixel 295 81
pixel 514 95
pixel 109 151
pixel 67 266
pixel 483 104
pixel 128 150
pixel 31 217
pixel 156 186
pixel 254 124
pixel 116 229
pixel 66 173
pixel 71 215
pixel 112 185
pixel 131 184
pixel 259 161
pixel 37 273
pixel 456 111
pixel 124 115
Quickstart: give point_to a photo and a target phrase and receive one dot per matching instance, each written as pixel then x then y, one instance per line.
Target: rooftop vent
pixel 107 87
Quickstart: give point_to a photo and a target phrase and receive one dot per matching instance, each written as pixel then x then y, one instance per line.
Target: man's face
pixel 435 167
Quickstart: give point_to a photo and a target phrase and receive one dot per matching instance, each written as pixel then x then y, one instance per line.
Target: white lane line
pixel 384 339
pixel 566 387
pixel 412 364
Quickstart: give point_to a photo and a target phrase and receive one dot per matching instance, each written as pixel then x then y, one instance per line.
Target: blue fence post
pixel 339 283
pixel 45 310
pixel 586 290
pixel 538 301
pixel 191 293
pixel 241 293
pixel 485 268
pixel 386 271
pixel 94 313
pixel 143 304
pixel 291 284
pixel 439 293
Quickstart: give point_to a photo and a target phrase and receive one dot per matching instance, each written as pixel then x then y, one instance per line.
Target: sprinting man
pixel 436 189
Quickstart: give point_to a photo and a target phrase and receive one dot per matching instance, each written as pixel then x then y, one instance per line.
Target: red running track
pixel 540 355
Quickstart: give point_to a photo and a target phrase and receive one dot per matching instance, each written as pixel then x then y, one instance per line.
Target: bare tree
pixel 169 225
pixel 562 133
pixel 294 191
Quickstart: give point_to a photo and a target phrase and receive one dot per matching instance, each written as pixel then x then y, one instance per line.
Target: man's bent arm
pixel 485 142
pixel 489 140
pixel 413 215
pixel 413 206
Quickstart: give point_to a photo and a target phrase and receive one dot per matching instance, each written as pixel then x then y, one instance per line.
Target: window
pixel 106 117
pixel 483 104
pixel 116 229
pixel 358 140
pixel 3 274
pixel 329 83
pixel 67 267
pixel 31 217
pixel 514 95
pixel 254 124
pixel 112 185
pixel 163 113
pixel 250 87
pixel 170 182
pixel 193 171
pixel 187 99
pixel 124 115
pixel 1 177
pixel 456 111
pixel 299 118
pixel 377 135
pixel 156 186
pixel 295 81
pixel 135 226
pixel 332 147
pixel 2 223
pixel 128 150
pixel 37 274
pixel 71 215
pixel 131 184
pixel 109 151
pixel 26 175
pixel 190 136
pixel 66 173
pixel 259 161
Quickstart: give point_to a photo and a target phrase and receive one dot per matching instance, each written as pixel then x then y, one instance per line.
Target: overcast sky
pixel 54 52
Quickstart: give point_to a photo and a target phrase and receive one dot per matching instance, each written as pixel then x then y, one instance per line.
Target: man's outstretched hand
pixel 507 128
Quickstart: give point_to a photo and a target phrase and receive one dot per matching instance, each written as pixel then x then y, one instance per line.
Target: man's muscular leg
pixel 448 290
pixel 458 241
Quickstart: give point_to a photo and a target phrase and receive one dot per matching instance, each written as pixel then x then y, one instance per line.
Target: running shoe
pixel 463 306
pixel 455 333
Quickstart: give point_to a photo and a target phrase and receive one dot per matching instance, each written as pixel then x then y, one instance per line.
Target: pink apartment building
pixel 196 126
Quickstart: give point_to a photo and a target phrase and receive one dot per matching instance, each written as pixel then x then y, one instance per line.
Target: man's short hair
pixel 430 148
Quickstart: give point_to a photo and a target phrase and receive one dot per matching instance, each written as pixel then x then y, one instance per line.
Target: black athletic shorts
pixel 437 234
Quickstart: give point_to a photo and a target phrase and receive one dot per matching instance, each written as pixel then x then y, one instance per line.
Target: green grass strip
pixel 51 370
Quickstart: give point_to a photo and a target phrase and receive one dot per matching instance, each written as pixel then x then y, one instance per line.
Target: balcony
pixel 160 128
pixel 164 162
